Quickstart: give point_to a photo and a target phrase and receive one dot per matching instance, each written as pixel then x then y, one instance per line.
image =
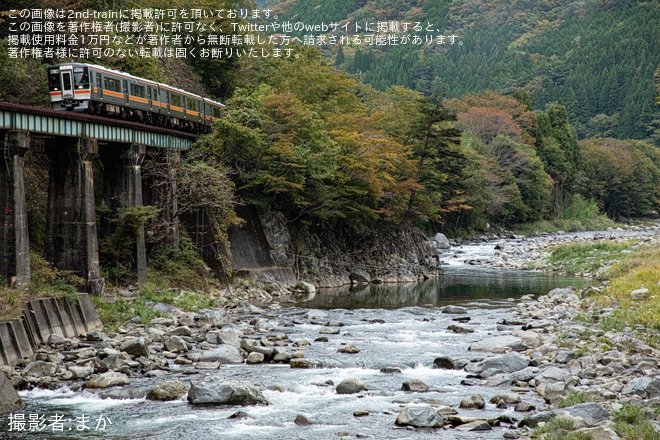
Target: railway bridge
pixel 71 143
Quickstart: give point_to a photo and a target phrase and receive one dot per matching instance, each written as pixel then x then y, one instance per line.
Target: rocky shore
pixel 551 359
pixel 524 253
pixel 544 351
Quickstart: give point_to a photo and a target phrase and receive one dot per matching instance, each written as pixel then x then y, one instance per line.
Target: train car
pixel 97 90
pixel 69 87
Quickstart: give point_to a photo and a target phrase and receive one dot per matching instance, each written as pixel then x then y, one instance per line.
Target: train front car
pixel 69 87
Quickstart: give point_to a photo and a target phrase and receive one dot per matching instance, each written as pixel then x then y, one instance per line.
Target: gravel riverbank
pixel 510 379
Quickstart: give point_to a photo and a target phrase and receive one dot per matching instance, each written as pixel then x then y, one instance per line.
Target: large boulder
pixel 10 401
pixel 217 390
pixel 419 416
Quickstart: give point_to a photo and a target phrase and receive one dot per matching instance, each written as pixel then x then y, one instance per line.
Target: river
pixel 392 325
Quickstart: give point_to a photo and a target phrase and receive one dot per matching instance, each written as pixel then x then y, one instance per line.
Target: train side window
pixel 98 80
pixel 217 113
pixel 149 93
pixel 192 104
pixel 138 90
pixel 125 86
pixel 176 100
pixel 112 84
pixel 155 94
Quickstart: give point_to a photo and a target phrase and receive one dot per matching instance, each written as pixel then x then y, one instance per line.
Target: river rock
pixel 95 336
pixel 135 347
pixel 552 392
pixel 282 356
pixel 639 293
pixel 459 329
pixel 524 407
pixel 176 344
pixel 454 310
pixel 444 362
pixel 415 386
pixel 475 401
pixel 508 398
pixel 55 339
pixel 439 241
pixel 109 379
pixel 419 416
pixel 507 363
pixel 229 335
pixel 552 374
pixel 350 385
pixel 359 276
pixel 168 390
pixel 225 354
pixel 645 387
pixel 302 420
pixel 444 410
pixel 564 356
pixel 330 331
pixel 305 363
pixel 255 358
pixel 477 425
pixel 592 413
pixel 80 372
pixel 39 369
pixel 183 330
pixel 10 401
pixel 499 344
pixel 348 348
pixel 239 415
pixel 217 390
pixel 116 361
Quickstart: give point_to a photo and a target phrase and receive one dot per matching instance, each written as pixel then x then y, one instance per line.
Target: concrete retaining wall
pixel 41 318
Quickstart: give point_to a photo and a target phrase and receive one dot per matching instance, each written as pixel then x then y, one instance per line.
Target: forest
pixel 597 56
pixel 525 123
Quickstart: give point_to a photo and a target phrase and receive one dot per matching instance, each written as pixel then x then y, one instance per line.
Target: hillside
pixel 597 56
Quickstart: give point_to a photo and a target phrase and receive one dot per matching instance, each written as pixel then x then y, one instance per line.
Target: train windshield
pixel 54 84
pixel 80 78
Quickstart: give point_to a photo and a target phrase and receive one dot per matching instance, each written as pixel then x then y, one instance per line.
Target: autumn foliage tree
pixel 623 176
pixel 501 131
pixel 305 142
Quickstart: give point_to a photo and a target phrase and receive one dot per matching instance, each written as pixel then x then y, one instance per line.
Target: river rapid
pixel 401 326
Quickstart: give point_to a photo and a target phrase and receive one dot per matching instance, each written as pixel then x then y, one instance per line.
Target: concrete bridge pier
pixel 122 183
pixel 160 190
pixel 14 240
pixel 71 242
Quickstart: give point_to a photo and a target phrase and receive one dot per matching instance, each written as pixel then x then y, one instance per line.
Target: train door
pixel 66 76
pixel 126 91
